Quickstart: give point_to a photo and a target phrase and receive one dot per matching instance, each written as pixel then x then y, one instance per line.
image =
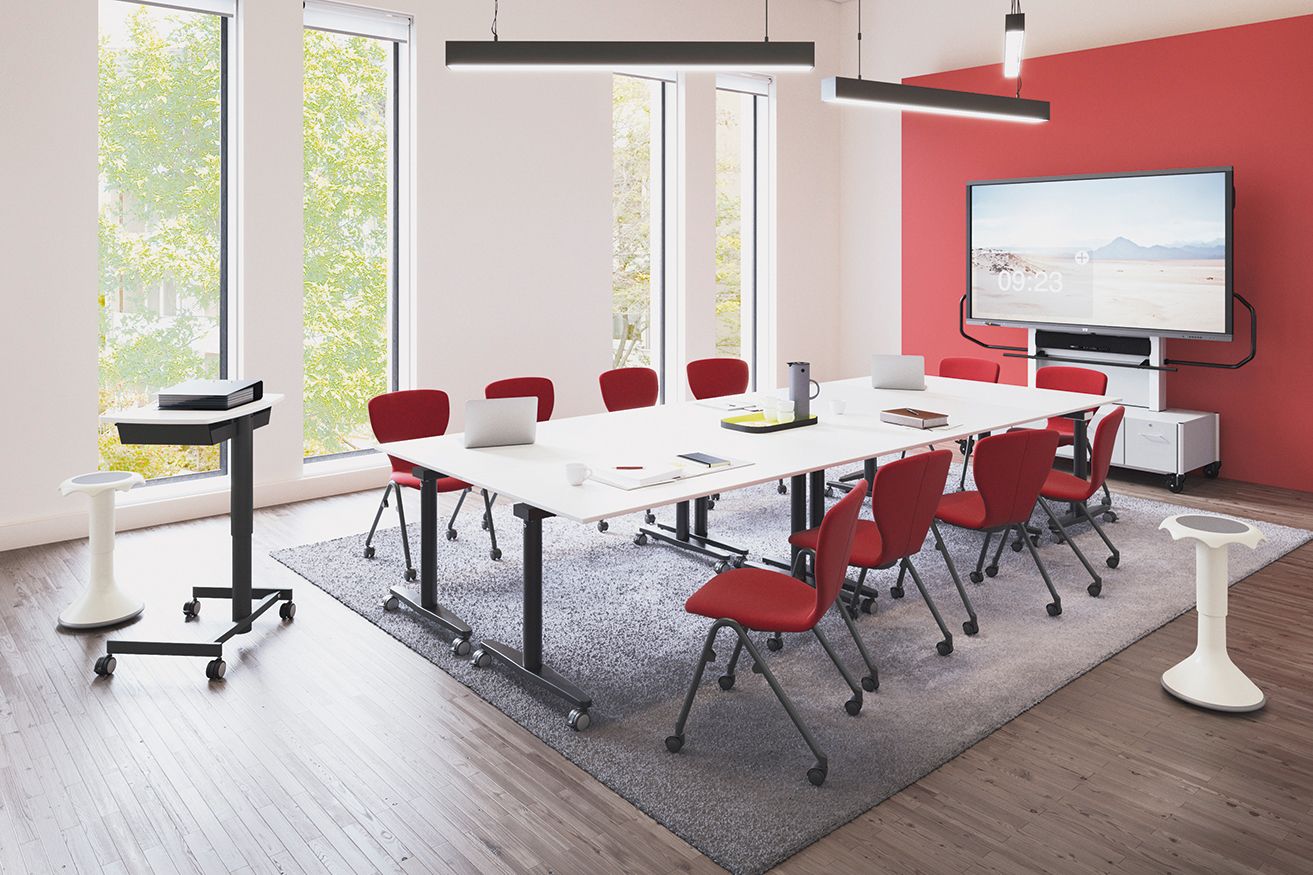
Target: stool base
pixel 1212 680
pixel 95 610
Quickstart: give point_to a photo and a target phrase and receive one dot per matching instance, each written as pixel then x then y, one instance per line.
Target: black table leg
pixel 428 605
pixel 816 492
pixel 527 662
pixel 797 511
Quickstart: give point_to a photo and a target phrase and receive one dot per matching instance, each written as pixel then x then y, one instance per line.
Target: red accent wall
pixel 1239 96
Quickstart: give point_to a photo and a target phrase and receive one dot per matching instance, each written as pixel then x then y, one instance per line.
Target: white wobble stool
pixel 1208 678
pixel 103 603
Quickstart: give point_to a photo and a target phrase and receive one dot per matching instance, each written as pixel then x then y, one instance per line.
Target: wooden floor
pixel 331 746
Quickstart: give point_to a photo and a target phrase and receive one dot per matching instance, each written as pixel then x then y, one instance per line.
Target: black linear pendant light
pixel 758 57
pixel 939 101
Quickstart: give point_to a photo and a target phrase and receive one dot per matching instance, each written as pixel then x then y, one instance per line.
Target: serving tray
pixel 757 423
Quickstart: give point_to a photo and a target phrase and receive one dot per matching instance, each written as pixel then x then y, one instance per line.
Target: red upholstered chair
pixel 754 599
pixel 904 498
pixel 1064 379
pixel 525 387
pixel 714 378
pixel 1010 469
pixel 403 416
pixel 627 389
pixel 968 368
pixel 1062 486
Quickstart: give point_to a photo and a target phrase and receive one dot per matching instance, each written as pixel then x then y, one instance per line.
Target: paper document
pixel 638 475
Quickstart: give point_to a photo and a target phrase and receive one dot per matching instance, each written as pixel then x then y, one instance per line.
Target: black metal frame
pixel 488 524
pixel 694 537
pixel 1054 608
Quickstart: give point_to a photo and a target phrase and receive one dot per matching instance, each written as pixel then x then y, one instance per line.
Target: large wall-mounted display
pixel 1140 253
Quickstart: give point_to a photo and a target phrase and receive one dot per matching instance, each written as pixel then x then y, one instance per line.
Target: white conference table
pixel 533 477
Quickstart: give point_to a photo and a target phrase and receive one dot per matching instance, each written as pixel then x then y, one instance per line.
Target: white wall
pixel 908 39
pixel 512 213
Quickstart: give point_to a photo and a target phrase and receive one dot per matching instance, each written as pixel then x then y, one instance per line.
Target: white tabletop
pixel 151 414
pixel 535 474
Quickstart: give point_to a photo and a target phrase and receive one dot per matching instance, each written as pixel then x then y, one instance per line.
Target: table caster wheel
pixel 775 644
pixel 1113 561
pixel 1095 588
pixel 287 610
pixel 640 540
pixel 829 492
pixel 579 719
pixel 720 567
pixel 726 681
pixel 816 774
pixel 711 504
pixel 369 552
pixel 1109 516
pixel 451 534
pixel 971 627
pixel 674 743
pixel 603 525
pixel 411 574
pixel 781 488
pixel 737 561
pixel 1054 608
pixel 495 553
pixel 976 577
pixel 192 609
pixel 105 665
pixel 897 592
pixel 215 668
pixel 461 647
pixel 991 571
pixel 867 605
pixel 391 603
pixel 649 518
pixel 944 647
pixel 481 659
pixel 871 683
pixel 853 706
pixel 1211 471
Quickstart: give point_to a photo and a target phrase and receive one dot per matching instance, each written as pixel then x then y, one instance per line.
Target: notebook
pixel 910 416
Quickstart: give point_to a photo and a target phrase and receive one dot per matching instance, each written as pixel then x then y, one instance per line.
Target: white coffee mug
pixel 770 408
pixel 838 406
pixel 785 411
pixel 577 472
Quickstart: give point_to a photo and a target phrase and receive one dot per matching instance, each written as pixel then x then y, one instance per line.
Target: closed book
pixel 210 394
pixel 910 416
pixel 706 460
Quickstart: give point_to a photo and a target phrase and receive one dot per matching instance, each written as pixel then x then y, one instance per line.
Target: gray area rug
pixel 614 622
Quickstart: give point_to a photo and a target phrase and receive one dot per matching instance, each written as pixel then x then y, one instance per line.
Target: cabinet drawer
pixel 1150 445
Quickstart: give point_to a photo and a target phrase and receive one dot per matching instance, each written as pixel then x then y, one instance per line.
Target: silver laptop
pixel 500 422
pixel 898 371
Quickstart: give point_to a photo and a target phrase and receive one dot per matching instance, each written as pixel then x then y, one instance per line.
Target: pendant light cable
pixel 859 38
pixel 767 21
pixel 494 19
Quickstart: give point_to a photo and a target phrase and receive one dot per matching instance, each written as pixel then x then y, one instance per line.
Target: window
pixel 639 109
pixel 163 288
pixel 741 127
pixel 355 64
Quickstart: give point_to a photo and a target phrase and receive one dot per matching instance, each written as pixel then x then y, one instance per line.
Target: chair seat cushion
pixel 445 484
pixel 768 601
pixel 963 509
pixel 1062 486
pixel 868 546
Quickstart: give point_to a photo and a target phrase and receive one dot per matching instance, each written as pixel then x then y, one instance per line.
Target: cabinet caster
pixel 726 681
pixel 494 554
pixel 991 571
pixel 871 683
pixel 192 609
pixel 897 592
pixel 369 551
pixel 461 647
pixel 451 534
pixel 391 603
pixel 411 574
pixel 853 706
pixel 649 518
pixel 287 610
pixel 1054 608
pixel 775 644
pixel 674 743
pixel 1095 588
pixel 971 627
pixel 867 605
pixel 481 659
pixel 105 665
pixel 579 719
pixel 1176 483
pixel 816 775
pixel 976 577
pixel 640 540
pixel 1113 561
pixel 945 647
pixel 603 525
pixel 1211 471
pixel 215 668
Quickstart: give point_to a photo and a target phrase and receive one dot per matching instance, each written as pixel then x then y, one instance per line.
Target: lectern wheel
pixel 105 665
pixel 215 668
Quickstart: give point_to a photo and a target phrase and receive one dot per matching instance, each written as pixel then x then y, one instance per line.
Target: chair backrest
pixel 407 415
pixel 1105 437
pixel 713 378
pixel 1082 380
pixel 627 388
pixel 964 367
pixel 1010 470
pixel 525 387
pixel 904 498
pixel 834 545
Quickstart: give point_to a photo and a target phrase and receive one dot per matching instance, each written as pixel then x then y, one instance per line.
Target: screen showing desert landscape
pixel 1140 252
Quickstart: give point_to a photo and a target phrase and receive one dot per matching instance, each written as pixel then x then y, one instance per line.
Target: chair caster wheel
pixel 711 504
pixel 868 605
pixel 640 539
pixel 775 644
pixel 649 518
pixel 976 577
pixel 412 574
pixel 287 610
pixel 481 659
pixel 1113 561
pixel 726 681
pixel 215 668
pixel 829 492
pixel 781 488
pixel 603 525
pixel 1017 546
pixel 1058 539
pixel 461 647
pixel 484 524
pixel 870 683
pixel 816 775
pixel 971 627
pixel 944 647
pixel 1109 517
pixel 1054 608
pixel 897 592
pixel 105 665
pixel 494 554
pixel 853 706
pixel 674 743
pixel 369 552
pixel 579 719
pixel 1094 589
pixel 991 571
pixel 192 609
pixel 391 603
pixel 451 534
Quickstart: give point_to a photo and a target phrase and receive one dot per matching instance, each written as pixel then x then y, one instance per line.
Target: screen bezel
pixel 1118 330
